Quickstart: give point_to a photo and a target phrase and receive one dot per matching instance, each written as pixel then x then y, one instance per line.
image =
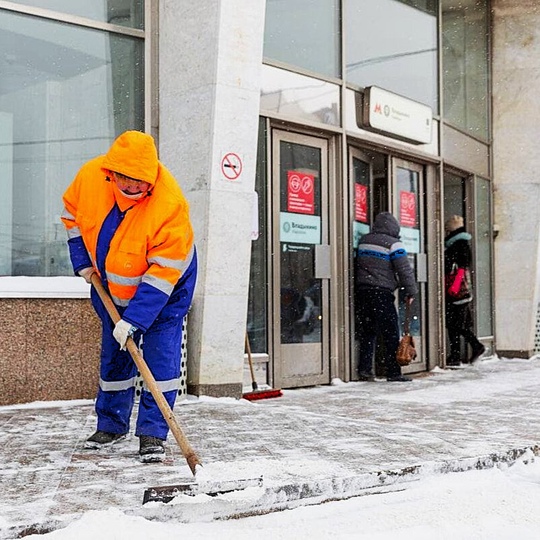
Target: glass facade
pixel 258 279
pixel 309 99
pixel 121 12
pixel 393 44
pixel 66 92
pixel 305 34
pixel 459 192
pixel 465 31
pixel 484 274
pixel 397 51
pixel 435 52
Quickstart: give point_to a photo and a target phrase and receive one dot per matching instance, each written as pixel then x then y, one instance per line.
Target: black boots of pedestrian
pixel 477 352
pixel 399 378
pixel 452 361
pixel 366 376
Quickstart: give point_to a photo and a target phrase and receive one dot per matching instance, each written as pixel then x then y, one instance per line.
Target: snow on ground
pixel 368 428
pixel 490 504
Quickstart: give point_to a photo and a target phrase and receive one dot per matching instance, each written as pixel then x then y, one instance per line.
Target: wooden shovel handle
pixel 185 447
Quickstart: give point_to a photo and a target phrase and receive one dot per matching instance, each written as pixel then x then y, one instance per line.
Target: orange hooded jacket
pixel 152 244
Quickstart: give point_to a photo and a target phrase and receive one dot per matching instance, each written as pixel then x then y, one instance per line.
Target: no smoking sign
pixel 231 166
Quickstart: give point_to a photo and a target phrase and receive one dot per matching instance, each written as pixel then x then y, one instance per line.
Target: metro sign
pixel 392 114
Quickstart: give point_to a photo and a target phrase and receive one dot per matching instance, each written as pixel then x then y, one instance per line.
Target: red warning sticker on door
pixel 407 209
pixel 300 193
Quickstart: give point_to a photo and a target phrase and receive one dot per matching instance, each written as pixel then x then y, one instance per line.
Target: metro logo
pixel 377 108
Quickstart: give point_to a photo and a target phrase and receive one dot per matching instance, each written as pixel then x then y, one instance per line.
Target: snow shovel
pixel 167 493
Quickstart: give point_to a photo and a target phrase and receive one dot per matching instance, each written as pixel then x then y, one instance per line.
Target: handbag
pixel 457 285
pixel 406 351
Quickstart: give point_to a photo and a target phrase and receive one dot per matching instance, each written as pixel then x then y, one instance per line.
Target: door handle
pixel 322 261
pixel 421 268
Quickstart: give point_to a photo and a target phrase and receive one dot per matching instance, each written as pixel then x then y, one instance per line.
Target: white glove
pixel 86 273
pixel 122 331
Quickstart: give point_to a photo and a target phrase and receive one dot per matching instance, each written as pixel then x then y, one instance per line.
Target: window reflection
pixel 121 12
pixel 483 258
pixel 397 51
pixel 65 93
pixel 258 278
pixel 300 204
pixel 305 34
pixel 299 96
pixel 465 57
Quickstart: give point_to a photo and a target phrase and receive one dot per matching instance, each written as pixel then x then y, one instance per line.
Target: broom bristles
pixel 262 394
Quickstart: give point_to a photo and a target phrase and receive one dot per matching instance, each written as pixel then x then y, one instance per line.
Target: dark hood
pixel 386 223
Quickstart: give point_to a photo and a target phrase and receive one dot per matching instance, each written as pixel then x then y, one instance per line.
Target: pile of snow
pixel 494 504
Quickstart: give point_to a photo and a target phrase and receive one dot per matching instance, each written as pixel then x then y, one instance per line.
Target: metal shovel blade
pixel 166 494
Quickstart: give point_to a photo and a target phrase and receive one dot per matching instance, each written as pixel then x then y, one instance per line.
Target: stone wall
pixel 49 350
pixel 516 161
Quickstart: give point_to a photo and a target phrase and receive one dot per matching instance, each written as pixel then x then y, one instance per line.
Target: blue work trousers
pixel 161 349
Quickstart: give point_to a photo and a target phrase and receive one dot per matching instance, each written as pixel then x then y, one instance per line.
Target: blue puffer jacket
pixel 381 259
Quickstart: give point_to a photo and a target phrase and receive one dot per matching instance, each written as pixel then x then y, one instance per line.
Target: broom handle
pixel 250 362
pixel 185 447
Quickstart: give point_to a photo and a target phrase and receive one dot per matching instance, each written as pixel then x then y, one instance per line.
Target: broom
pixel 257 394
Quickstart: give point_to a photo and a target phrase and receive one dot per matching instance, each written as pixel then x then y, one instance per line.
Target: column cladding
pixel 516 162
pixel 210 57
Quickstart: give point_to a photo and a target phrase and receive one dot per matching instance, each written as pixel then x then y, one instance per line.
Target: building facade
pixel 289 127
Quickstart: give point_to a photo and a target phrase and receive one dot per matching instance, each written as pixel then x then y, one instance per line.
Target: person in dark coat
pixel 459 321
pixel 381 266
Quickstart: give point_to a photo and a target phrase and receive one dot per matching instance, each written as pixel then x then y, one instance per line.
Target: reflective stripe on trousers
pixel 162 353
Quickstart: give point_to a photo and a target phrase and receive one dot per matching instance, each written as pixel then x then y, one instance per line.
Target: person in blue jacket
pixel 459 319
pixel 381 266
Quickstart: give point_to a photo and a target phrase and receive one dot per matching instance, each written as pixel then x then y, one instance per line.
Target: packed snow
pixel 489 504
pixel 337 438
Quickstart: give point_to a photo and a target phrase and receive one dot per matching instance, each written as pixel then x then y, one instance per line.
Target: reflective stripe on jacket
pixel 381 259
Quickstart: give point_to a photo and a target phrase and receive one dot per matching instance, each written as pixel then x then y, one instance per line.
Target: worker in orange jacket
pixel 127 220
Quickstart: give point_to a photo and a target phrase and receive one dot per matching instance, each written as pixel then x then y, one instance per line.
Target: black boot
pixel 399 378
pixel 151 449
pixel 477 352
pixel 365 376
pixel 101 439
pixel 453 360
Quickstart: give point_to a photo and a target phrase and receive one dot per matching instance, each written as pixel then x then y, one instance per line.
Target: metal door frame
pixel 421 363
pixel 360 154
pixel 325 146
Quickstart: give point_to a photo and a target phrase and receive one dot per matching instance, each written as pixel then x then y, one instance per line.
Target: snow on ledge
pixel 43 287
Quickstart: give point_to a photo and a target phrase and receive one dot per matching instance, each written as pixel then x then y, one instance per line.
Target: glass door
pixel 301 260
pixel 361 178
pixel 408 185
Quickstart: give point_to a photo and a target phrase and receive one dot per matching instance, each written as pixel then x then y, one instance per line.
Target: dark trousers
pixel 376 315
pixel 459 323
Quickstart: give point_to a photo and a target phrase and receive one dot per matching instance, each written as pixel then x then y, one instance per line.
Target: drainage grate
pixel 537 333
pixel 182 390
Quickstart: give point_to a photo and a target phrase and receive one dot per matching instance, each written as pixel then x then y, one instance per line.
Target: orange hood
pixel 133 154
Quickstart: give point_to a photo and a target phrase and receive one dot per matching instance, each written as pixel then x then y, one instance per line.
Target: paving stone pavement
pixel 492 408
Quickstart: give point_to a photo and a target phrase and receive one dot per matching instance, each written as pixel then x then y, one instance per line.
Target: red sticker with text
pixel 360 203
pixel 300 193
pixel 407 209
